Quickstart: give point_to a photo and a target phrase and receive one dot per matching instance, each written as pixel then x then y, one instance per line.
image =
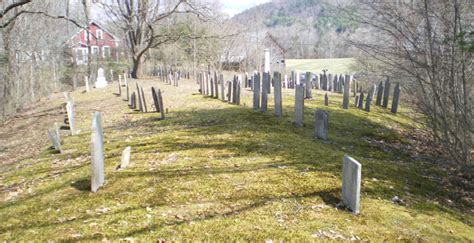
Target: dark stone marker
pixel 216 86
pixel 370 97
pixel 144 101
pixel 321 124
pixel 396 98
pixel 256 91
pixel 237 92
pixel 212 87
pixel 386 93
pixel 380 89
pixel 229 91
pixel 160 105
pixel 326 100
pixel 308 93
pixel 278 98
pixel 132 101
pixel 330 86
pixel 234 90
pixel 299 105
pixel 345 101
pixel 265 86
pixel 155 99
pixel 361 100
pixel 128 92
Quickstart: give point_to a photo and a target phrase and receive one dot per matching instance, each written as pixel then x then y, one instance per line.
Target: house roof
pixel 98 25
pixel 274 41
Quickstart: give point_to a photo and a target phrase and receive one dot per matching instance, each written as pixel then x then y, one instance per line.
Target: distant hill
pixel 306 28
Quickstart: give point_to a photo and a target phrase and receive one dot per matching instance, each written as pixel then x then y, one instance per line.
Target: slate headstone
pixel 299 105
pixel 278 97
pixel 321 124
pixel 265 86
pixel 396 98
pixel 386 93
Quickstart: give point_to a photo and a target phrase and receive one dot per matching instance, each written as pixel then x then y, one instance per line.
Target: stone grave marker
pixel 160 105
pixel 216 87
pixel 212 86
pixel 234 90
pixel 326 100
pixel 361 100
pixel 370 97
pixel 140 106
pixel 321 124
pixel 221 81
pixel 144 100
pixel 126 154
pixel 119 89
pixel 101 81
pixel 351 181
pixel 97 153
pixel 380 89
pixel 70 116
pixel 299 105
pixel 55 137
pixel 237 92
pixel 396 98
pixel 347 83
pixel 256 91
pixel 386 93
pixel 308 88
pixel 264 100
pixel 155 99
pixel 278 97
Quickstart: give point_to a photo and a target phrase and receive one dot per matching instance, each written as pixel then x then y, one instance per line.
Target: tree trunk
pixel 136 64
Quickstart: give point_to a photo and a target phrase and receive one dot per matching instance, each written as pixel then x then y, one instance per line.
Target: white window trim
pixel 101 36
pixel 92 50
pixel 103 52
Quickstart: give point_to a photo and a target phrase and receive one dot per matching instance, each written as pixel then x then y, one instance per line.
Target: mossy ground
pixel 218 171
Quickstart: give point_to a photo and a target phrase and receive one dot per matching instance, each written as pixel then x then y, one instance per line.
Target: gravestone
pixel 140 106
pixel 256 91
pixel 216 88
pixel 133 101
pixel 278 97
pixel 144 100
pixel 212 87
pixel 234 90
pixel 326 100
pixel 70 116
pixel 345 101
pixel 86 80
pixel 160 105
pixel 97 153
pixel 386 93
pixel 370 97
pixel 155 99
pixel 351 180
pixel 380 89
pixel 356 102
pixel 396 98
pixel 119 89
pixel 299 105
pixel 308 88
pixel 125 162
pixel 55 137
pixel 330 86
pixel 361 100
pixel 221 81
pixel 229 91
pixel 264 101
pixel 128 92
pixel 321 124
pixel 237 92
pixel 101 81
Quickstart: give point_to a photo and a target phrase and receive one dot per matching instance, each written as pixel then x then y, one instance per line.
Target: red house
pixel 104 45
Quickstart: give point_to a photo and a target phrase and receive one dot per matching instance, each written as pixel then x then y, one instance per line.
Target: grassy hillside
pixel 335 65
pixel 217 171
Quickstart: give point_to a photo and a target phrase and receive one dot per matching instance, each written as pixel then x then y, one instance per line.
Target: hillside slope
pixel 217 171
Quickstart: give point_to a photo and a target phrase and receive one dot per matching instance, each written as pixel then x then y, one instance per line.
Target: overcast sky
pixel 233 7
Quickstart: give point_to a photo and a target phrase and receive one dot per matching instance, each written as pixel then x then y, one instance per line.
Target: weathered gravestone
pixel 321 124
pixel 144 100
pixel 70 116
pixel 101 81
pixel 356 102
pixel 154 95
pixel 55 137
pixel 221 81
pixel 308 93
pixel 256 91
pixel 361 100
pixel 97 153
pixel 351 180
pixel 278 97
pixel 380 89
pixel 345 101
pixel 212 86
pixel 370 97
pixel 234 89
pixel 229 91
pixel 386 93
pixel 133 103
pixel 299 105
pixel 265 86
pixel 160 105
pixel 237 90
pixel 396 98
pixel 216 86
pixel 326 100
pixel 125 162
pixel 140 106
pixel 119 89
pixel 128 92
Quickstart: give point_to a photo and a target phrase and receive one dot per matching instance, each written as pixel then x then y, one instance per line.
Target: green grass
pixel 217 171
pixel 335 65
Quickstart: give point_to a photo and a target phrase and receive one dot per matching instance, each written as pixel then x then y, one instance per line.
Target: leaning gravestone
pixel 396 98
pixel 101 81
pixel 70 116
pixel 278 99
pixel 139 98
pixel 299 105
pixel 55 137
pixel 97 153
pixel 321 124
pixel 351 180
pixel 154 95
pixel 126 153
pixel 386 93
pixel 256 91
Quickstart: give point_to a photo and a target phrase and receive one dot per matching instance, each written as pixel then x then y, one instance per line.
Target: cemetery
pixel 310 151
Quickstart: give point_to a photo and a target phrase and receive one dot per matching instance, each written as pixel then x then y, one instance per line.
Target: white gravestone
pixel 125 158
pixel 267 61
pixel 101 81
pixel 70 116
pixel 351 178
pixel 97 153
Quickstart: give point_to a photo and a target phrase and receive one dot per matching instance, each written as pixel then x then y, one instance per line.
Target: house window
pixel 106 51
pixel 95 50
pixel 99 34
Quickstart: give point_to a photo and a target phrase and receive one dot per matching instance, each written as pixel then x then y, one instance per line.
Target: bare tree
pixel 422 44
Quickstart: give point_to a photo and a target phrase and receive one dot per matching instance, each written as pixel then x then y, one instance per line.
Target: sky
pixel 233 7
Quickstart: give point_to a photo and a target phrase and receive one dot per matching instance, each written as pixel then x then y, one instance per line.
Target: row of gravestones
pixel 382 94
pixel 171 76
pixel 229 90
pixel 208 85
